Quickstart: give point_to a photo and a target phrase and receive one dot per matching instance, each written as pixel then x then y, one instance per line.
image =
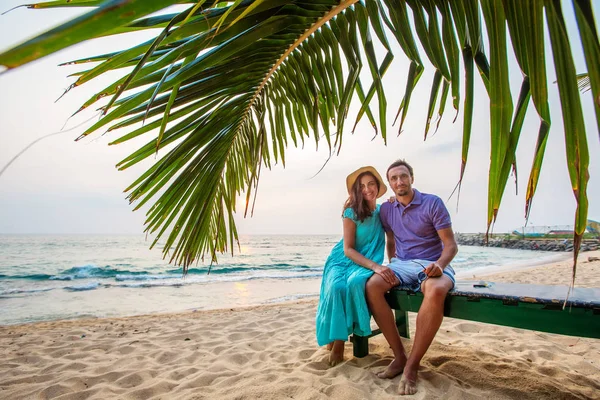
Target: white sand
pixel 269 352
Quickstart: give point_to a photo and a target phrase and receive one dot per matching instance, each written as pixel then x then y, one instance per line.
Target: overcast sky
pixel 60 186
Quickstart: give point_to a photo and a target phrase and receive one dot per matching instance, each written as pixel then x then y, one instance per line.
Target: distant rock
pixel 512 242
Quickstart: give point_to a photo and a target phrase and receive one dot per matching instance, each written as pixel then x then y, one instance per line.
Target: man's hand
pixel 387 274
pixel 434 270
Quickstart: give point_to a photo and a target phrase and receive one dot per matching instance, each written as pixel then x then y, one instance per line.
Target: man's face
pixel 400 180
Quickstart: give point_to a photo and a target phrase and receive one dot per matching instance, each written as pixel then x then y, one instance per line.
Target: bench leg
pixel 360 346
pixel 402 323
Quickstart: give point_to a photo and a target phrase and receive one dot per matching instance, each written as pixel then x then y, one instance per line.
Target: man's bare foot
pixel 408 383
pixel 337 353
pixel 394 369
pixel 329 346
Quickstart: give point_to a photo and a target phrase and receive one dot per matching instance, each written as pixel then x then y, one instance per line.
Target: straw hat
pixel 350 179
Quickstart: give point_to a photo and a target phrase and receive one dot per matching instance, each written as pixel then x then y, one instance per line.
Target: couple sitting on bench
pixel 420 247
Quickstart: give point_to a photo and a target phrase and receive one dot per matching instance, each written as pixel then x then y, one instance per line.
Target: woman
pixel 342 306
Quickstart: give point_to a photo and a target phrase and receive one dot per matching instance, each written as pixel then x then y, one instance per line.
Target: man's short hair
pixel 399 163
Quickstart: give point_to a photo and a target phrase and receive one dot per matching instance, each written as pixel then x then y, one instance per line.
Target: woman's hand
pixel 387 274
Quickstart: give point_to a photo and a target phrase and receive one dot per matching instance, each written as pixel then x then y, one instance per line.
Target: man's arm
pixel 448 253
pixel 390 245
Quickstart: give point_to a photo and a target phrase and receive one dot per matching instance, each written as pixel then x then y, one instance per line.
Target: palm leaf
pixel 229 86
pixel 591 47
pixel 575 137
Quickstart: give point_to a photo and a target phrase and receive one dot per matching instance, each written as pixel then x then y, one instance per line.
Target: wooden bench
pixel 535 307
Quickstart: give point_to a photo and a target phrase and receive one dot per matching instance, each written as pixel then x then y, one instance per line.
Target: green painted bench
pixel 535 307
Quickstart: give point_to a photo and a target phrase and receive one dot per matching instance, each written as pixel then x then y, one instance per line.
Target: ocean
pixel 51 277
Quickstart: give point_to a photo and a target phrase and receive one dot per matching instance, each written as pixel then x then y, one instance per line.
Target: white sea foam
pixel 81 288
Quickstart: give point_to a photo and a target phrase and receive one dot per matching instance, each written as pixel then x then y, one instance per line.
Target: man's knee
pixel 437 288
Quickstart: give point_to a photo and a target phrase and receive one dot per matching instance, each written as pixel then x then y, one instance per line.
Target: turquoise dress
pixel 342 306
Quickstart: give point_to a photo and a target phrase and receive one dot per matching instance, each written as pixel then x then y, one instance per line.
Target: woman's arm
pixel 350 252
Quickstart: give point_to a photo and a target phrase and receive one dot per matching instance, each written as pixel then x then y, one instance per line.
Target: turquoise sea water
pixel 57 276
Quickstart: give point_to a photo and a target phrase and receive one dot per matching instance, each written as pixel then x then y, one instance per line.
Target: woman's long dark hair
pixel 356 200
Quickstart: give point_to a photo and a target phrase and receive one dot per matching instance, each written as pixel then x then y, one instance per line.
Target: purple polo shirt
pixel 415 226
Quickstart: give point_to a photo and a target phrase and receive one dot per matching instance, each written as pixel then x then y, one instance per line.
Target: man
pixel 420 246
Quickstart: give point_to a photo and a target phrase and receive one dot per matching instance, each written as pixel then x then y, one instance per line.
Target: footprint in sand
pixel 182 374
pixel 237 359
pixel 306 354
pixel 133 379
pixel 54 391
pixel 234 337
pixel 548 371
pixel 439 360
pixel 72 367
pixel 315 366
pixel 468 328
pixel 380 362
pixel 546 355
pixel 219 349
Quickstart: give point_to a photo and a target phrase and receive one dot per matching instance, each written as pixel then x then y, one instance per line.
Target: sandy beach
pixel 270 352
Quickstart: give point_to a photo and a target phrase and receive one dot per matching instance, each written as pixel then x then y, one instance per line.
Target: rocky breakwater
pixel 515 242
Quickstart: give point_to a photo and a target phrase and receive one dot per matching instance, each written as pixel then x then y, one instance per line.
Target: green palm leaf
pixel 577 149
pixel 227 87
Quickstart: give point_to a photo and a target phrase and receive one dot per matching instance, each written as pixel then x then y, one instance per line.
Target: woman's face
pixel 368 187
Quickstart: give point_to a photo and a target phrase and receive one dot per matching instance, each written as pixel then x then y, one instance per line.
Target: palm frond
pixel 227 87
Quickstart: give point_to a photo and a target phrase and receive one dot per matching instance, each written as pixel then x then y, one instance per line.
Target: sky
pixel 66 187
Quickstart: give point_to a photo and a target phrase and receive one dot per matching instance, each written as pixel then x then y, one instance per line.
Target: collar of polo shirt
pixel 416 200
